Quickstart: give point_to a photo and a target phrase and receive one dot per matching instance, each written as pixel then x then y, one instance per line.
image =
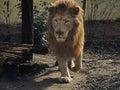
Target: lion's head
pixel 63 18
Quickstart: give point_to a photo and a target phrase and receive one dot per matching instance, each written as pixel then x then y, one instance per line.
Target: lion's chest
pixel 64 50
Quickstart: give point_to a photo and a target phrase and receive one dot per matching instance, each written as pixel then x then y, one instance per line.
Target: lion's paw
pixel 65 79
pixel 75 69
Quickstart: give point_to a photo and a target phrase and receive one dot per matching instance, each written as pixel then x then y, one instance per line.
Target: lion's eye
pixel 66 21
pixel 56 21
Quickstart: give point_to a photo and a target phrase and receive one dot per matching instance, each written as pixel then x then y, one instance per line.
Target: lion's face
pixel 62 25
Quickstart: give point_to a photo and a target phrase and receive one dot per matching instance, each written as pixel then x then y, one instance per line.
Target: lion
pixel 65 30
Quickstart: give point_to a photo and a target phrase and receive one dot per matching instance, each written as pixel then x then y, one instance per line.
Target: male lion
pixel 66 35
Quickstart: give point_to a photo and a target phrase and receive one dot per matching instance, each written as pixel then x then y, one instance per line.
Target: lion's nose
pixel 59 32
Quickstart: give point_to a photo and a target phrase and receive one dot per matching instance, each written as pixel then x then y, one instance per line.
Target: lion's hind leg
pixel 78 63
pixel 71 63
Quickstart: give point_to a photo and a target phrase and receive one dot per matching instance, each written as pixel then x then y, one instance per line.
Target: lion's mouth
pixel 60 39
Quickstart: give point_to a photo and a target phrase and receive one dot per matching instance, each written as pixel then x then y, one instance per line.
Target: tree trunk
pixel 27 22
pixel 84 5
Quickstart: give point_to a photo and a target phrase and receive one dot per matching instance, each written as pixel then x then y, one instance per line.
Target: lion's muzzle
pixel 59 32
pixel 60 35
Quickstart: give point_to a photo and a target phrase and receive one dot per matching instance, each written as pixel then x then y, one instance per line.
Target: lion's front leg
pixel 78 63
pixel 65 75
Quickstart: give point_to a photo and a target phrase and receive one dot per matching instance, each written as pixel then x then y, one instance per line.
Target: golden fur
pixel 68 44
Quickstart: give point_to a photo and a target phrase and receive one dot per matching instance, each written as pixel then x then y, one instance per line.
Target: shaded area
pixel 102 49
pixel 17 60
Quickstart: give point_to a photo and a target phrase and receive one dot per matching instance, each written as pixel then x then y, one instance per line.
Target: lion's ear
pixel 75 10
pixel 51 9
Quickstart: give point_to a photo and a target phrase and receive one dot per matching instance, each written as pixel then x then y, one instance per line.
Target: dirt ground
pixel 96 75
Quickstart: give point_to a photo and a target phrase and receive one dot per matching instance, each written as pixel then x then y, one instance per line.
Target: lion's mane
pixel 75 40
